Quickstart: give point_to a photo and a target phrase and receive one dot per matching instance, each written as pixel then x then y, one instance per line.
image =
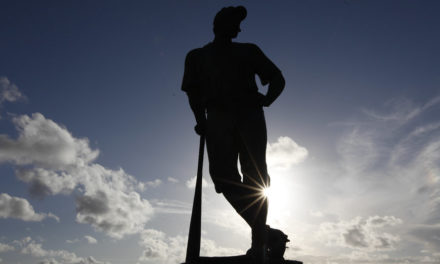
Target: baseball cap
pixel 229 15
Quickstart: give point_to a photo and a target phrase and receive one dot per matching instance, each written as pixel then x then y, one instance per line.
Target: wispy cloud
pixel 173 180
pixel 153 184
pixel 171 207
pixel 428 233
pixel 69 241
pixel 393 160
pixel 9 92
pixel 191 183
pixel 91 240
pixel 362 234
pixel 403 110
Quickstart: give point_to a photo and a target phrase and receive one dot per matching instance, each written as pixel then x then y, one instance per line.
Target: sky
pixel 98 154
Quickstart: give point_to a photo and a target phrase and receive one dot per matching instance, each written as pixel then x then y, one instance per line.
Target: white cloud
pixel 76 240
pixel 403 110
pixel 113 211
pixel 20 208
pixel 48 261
pixel 56 218
pixel 394 138
pixel 358 151
pixel 43 182
pixel 91 240
pixel 171 207
pixel 45 144
pixel 9 92
pixel 429 235
pixel 361 234
pixel 173 180
pixel 153 184
pixel 52 162
pixel 284 153
pixel 394 162
pixel 36 250
pixel 191 183
pixel 227 219
pixel 6 247
pixel 160 248
pixel 154 245
pixel 109 201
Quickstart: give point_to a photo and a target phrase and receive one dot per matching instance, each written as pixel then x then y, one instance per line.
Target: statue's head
pixel 227 21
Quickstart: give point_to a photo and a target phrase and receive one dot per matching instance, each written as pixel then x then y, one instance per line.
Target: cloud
pixel 96 205
pixel 171 207
pixel 108 202
pixel 76 240
pixel 54 217
pixel 395 137
pixel 36 250
pixel 45 144
pixel 429 235
pixel 113 211
pixel 153 184
pixel 158 247
pixel 52 161
pixel 285 153
pixel 403 110
pixel 91 240
pixel 191 183
pixel 9 92
pixel 227 219
pixel 395 160
pixel 173 180
pixel 361 234
pixel 361 257
pixel 154 245
pixel 6 247
pixel 20 208
pixel 88 260
pixel 358 151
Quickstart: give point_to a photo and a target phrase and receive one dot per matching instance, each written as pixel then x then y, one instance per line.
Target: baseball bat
pixel 193 246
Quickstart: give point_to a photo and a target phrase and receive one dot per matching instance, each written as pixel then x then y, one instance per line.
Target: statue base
pixel 240 259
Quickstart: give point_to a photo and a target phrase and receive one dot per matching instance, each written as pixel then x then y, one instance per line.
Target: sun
pixel 267 192
pixel 280 198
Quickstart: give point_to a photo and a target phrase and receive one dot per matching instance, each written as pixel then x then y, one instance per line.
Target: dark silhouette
pixel 219 80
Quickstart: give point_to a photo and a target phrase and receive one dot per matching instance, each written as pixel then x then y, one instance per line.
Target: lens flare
pixel 267 192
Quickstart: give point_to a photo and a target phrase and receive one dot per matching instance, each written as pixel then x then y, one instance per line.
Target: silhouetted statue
pixel 219 80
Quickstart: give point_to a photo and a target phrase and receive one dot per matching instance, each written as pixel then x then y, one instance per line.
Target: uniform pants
pixel 234 135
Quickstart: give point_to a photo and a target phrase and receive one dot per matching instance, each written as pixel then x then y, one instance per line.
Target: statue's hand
pixel 200 128
pixel 267 182
pixel 262 100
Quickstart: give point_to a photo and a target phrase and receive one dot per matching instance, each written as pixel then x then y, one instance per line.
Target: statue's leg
pixel 222 150
pixel 252 156
pixel 223 144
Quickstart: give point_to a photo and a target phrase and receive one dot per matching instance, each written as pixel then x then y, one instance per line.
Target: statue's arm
pixel 199 110
pixel 191 85
pixel 276 86
pixel 269 74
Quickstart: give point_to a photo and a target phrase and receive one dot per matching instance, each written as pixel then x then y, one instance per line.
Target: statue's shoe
pixel 276 243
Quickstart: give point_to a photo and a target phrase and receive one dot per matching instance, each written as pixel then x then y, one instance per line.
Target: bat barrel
pixel 193 246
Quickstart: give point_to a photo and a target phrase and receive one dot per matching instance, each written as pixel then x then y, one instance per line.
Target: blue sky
pixel 97 149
